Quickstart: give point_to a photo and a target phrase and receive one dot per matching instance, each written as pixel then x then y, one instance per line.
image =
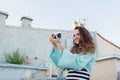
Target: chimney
pixel 26 21
pixel 3 17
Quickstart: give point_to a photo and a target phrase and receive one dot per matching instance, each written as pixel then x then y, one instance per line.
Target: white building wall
pixel 105 48
pixel 35 42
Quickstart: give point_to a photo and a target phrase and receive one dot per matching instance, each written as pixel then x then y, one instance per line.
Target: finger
pixel 51 39
pixel 56 37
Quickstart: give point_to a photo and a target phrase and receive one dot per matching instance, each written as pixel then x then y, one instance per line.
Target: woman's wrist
pixel 59 45
pixel 54 47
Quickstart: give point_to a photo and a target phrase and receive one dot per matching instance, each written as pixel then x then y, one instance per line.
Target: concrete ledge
pixel 24 66
pixel 114 56
pixel 22 72
pixel 59 78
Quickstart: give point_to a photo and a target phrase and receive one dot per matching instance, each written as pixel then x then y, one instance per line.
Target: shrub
pixel 15 57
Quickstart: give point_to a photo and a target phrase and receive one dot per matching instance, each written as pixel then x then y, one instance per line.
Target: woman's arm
pixel 55 55
pixel 56 51
pixel 59 45
pixel 76 61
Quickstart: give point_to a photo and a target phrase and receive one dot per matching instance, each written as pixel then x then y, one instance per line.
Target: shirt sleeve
pixel 55 55
pixel 75 61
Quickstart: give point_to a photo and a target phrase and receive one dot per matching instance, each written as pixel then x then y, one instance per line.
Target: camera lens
pixel 58 35
pixel 54 36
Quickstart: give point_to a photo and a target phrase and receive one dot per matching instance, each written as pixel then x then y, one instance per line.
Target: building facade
pixel 36 46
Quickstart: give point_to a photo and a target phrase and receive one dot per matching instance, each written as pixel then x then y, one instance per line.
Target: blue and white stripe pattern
pixel 77 75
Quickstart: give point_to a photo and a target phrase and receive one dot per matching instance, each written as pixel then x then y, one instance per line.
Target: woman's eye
pixel 73 35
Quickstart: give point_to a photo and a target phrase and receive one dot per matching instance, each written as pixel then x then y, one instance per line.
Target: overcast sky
pixel 101 15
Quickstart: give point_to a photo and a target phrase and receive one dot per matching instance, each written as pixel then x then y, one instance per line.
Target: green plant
pixel 15 57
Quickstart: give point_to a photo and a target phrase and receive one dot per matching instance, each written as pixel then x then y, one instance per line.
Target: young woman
pixel 80 59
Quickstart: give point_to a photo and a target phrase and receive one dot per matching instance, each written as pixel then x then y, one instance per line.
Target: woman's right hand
pixel 51 40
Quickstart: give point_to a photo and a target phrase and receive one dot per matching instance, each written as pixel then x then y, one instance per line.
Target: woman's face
pixel 76 37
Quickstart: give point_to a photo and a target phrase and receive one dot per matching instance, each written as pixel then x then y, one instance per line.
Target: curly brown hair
pixel 86 43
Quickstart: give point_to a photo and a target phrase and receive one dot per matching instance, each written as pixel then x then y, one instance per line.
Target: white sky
pixel 101 15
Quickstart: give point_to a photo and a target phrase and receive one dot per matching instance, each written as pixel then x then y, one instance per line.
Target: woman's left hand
pixel 56 42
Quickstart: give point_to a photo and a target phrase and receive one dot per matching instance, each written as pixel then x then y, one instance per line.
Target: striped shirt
pixel 77 75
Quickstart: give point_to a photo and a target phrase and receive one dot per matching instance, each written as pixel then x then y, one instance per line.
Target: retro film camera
pixel 58 35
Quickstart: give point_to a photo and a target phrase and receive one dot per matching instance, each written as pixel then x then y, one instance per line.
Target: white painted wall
pixel 105 48
pixel 35 42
